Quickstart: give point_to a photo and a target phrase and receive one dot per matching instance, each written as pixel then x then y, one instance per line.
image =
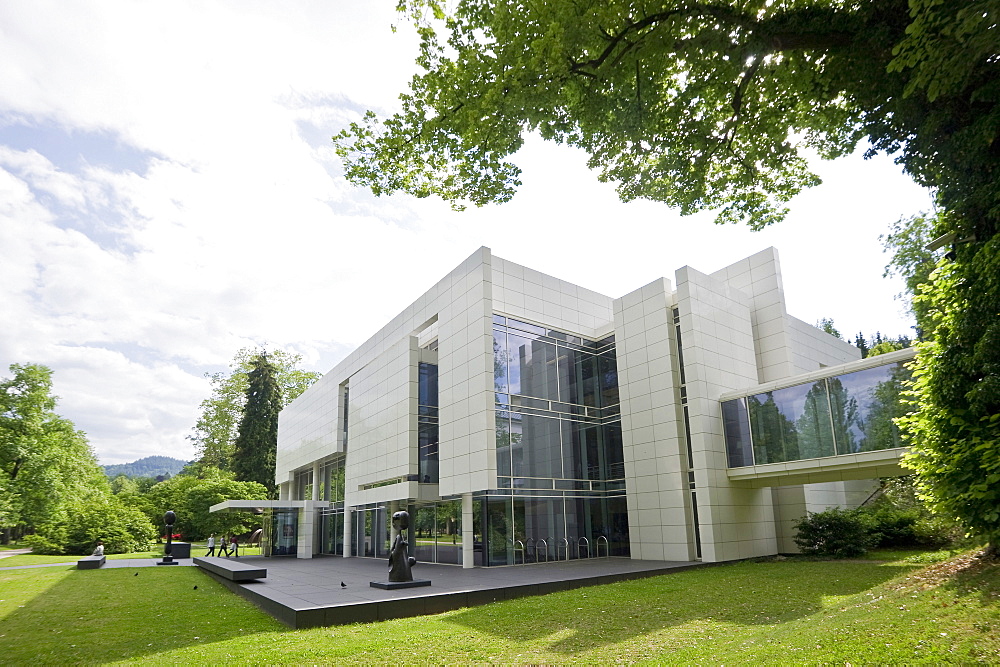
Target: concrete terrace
pixel 307 593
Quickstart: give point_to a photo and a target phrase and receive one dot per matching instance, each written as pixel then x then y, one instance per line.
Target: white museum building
pixel 520 418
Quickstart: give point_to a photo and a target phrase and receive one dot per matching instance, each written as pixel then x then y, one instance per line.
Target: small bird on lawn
pixel 137 574
pixel 196 588
pixel 343 585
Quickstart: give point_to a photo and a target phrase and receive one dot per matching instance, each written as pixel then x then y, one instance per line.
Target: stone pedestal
pixel 393 585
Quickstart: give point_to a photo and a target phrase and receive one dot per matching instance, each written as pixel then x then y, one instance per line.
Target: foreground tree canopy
pixel 713 105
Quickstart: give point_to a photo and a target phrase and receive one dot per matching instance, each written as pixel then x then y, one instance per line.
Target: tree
pixel 190 497
pixel 826 324
pixel 257 438
pixel 215 431
pixel 709 105
pixel 703 105
pixel 45 461
pixel 907 240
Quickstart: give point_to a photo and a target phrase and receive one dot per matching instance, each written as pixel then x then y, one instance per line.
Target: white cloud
pixel 216 218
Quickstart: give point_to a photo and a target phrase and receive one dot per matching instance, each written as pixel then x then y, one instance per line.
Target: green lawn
pixel 791 611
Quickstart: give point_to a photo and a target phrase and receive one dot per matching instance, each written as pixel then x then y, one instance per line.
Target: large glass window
pixel 540 529
pixel 557 406
pixel 427 423
pixel 438 532
pixel 332 480
pixel 844 414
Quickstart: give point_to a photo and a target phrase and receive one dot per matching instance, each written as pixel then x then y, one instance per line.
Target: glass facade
pixel 427 423
pixel 435 533
pixel 844 414
pixel 524 529
pixel 280 532
pixel 331 520
pixel 560 468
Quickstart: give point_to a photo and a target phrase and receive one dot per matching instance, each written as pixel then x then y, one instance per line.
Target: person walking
pixel 211 545
pixel 223 546
pixel 235 547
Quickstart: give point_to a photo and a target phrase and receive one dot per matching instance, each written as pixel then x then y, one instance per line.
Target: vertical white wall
pixel 465 378
pixel 379 439
pixel 533 296
pixel 717 338
pixel 652 433
pixel 759 278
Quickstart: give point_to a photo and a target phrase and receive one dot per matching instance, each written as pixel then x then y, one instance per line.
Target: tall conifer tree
pixel 257 441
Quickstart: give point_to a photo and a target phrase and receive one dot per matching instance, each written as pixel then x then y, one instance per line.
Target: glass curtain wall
pixel 560 468
pixel 280 532
pixel 427 423
pixel 370 531
pixel 437 532
pixel 844 414
pixel 332 518
pixel 542 529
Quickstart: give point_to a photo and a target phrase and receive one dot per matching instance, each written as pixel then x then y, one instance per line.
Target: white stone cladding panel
pixel 813 348
pixel 380 442
pixel 759 278
pixel 524 293
pixel 309 428
pixel 652 437
pixel 717 337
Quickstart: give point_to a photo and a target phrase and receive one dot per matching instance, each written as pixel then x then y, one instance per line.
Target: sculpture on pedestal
pixel 400 561
pixel 169 519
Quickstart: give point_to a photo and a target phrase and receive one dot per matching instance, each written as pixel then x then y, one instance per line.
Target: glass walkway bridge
pixel 830 425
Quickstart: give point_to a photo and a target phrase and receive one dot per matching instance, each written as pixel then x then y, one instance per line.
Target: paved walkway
pixel 109 563
pixel 332 590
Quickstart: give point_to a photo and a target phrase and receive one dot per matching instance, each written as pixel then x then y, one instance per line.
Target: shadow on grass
pixel 120 614
pixel 747 594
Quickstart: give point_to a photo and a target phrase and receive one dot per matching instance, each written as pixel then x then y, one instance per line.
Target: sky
pixel 169 194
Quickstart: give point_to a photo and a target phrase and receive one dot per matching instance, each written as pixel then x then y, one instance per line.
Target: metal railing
pixel 564 546
pixel 607 547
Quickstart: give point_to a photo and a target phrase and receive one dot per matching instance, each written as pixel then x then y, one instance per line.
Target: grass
pixel 791 611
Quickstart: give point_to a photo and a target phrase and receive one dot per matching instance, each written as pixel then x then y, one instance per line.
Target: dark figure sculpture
pixel 399 562
pixel 169 518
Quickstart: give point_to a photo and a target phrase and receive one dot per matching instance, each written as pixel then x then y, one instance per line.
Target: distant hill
pixel 151 466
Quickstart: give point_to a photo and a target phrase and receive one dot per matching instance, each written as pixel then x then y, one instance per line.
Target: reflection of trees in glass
pixel 499 363
pixel 503 443
pixel 845 416
pixel 886 405
pixel 774 435
pixel 815 438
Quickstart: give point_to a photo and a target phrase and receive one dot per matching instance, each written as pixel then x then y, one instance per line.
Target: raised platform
pixel 232 570
pixel 331 590
pixel 90 562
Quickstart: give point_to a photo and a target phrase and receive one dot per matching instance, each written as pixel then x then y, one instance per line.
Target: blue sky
pixel 169 194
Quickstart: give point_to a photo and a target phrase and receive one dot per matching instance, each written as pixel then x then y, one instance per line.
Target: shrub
pixel 122 528
pixel 835 532
pixel 40 545
pixel 892 526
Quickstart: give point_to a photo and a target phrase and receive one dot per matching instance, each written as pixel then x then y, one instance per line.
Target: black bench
pixel 90 562
pixel 233 570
